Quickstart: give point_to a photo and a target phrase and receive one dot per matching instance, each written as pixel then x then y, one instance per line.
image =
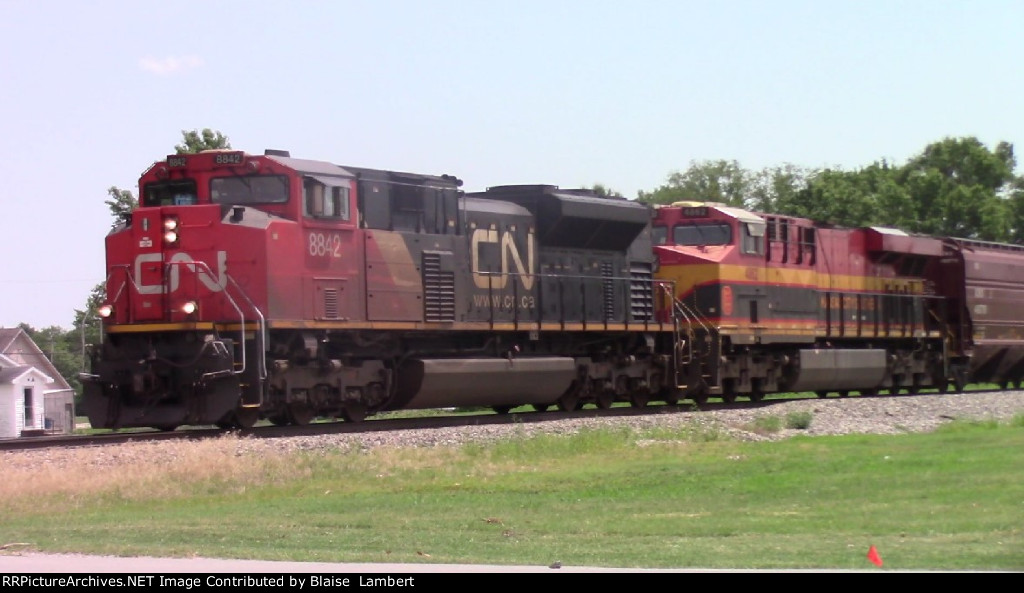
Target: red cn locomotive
pixel 264 286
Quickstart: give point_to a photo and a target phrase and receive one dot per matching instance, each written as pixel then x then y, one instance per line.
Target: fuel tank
pixel 488 382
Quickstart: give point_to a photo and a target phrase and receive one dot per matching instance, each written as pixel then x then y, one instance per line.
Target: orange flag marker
pixel 874 557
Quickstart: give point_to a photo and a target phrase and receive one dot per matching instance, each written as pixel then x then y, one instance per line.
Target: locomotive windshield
pixel 180 192
pixel 249 189
pixel 659 234
pixel 710 233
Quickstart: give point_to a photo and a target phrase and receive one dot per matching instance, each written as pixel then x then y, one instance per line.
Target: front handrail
pixel 196 267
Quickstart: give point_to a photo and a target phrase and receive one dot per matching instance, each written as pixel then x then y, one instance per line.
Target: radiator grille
pixel 331 303
pixel 438 288
pixel 641 292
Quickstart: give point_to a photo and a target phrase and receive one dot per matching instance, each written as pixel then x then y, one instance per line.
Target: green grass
pixel 948 500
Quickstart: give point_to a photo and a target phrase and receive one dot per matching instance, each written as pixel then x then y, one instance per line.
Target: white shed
pixel 30 382
pixel 21 401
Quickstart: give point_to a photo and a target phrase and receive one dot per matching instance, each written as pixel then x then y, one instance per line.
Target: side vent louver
pixel 608 290
pixel 330 303
pixel 438 286
pixel 641 292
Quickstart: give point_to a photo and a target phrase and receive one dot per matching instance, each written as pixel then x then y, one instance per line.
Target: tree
pixel 208 139
pixel 1016 206
pixel 960 188
pixel 121 204
pixel 865 197
pixel 773 186
pixel 705 181
pixel 604 191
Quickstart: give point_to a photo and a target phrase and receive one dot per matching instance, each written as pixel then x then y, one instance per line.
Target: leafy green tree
pixel 604 191
pixel 771 187
pixel 705 181
pixel 960 188
pixel 121 204
pixel 1016 206
pixel 870 196
pixel 197 141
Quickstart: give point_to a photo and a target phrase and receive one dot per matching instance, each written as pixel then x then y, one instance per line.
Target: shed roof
pixel 11 374
pixel 18 347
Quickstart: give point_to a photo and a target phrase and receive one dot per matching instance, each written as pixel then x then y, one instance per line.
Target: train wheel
pixel 301 414
pixel 279 419
pixel 671 397
pixel 700 397
pixel 639 399
pixel 844 394
pixel 729 391
pixel 246 418
pixel 756 391
pixel 541 407
pixel 568 402
pixel 502 409
pixel 353 412
pixel 605 398
pixel 868 392
pixel 166 427
pixel 821 394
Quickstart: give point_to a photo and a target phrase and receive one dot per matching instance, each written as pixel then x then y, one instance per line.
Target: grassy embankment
pixel 693 497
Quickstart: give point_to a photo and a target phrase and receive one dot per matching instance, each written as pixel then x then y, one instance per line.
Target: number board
pixel 227 159
pixel 695 211
pixel 175 161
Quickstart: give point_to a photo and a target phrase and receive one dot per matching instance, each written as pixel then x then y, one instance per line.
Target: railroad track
pixel 380 423
pixel 386 422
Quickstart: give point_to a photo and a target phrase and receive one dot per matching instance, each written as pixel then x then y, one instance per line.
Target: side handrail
pixel 195 267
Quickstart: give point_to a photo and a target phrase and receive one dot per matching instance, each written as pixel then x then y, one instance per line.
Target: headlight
pixel 171 225
pixel 104 310
pixel 189 307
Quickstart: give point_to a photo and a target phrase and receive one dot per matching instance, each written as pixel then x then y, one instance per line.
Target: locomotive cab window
pixel 325 197
pixel 752 237
pixel 714 233
pixel 170 193
pixel 659 234
pixel 249 189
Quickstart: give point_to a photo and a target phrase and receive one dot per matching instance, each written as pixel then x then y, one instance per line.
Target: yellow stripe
pixel 465 326
pixel 687 276
pixel 849 331
pixel 132 328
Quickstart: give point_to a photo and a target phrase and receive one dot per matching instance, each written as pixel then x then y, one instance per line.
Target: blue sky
pixel 570 93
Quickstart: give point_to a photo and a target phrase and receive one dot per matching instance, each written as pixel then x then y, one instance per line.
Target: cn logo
pixel 509 255
pixel 175 264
